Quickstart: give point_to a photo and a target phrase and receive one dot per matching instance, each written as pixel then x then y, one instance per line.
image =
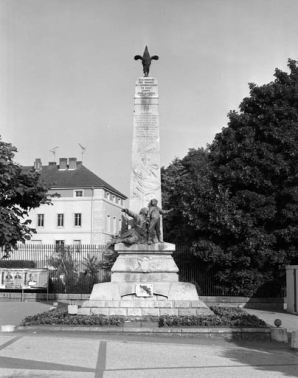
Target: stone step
pixel 144 311
pixel 141 307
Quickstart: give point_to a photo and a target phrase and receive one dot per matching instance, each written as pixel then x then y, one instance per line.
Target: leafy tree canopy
pixel 241 208
pixel 20 190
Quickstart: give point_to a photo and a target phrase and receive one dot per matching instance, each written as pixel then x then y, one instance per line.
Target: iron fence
pixel 72 268
pixel 76 268
pixel 209 281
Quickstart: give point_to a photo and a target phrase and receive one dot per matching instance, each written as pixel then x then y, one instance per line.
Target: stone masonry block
pixel 118 311
pixel 94 304
pixel 161 298
pixel 182 304
pixel 168 311
pixel 86 304
pixel 99 311
pixel 197 304
pixel 134 312
pixel 111 303
pixel 150 311
pixel 163 304
pixel 126 304
pixel 187 311
pixel 84 311
pixel 146 304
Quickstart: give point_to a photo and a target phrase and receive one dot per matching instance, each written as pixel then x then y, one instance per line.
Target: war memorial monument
pixel 144 278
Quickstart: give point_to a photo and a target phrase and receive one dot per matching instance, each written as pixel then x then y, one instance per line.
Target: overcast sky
pixel 68 74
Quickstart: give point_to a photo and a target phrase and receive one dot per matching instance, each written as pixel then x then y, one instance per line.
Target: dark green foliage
pixel 17 264
pixel 60 316
pixel 66 278
pixel 92 265
pixel 65 268
pixel 224 317
pixel 182 184
pixel 20 191
pixel 239 209
pixel 56 285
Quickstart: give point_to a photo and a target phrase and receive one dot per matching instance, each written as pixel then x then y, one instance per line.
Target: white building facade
pixel 86 209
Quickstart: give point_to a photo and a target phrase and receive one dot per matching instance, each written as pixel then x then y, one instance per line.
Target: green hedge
pixel 223 317
pixel 60 315
pixel 17 264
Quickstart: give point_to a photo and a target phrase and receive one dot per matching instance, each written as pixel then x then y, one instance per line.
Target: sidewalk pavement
pixel 13 312
pixel 89 355
pixel 289 321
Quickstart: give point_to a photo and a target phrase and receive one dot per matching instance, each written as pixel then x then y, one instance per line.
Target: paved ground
pixel 96 356
pixel 289 321
pixel 91 355
pixel 13 312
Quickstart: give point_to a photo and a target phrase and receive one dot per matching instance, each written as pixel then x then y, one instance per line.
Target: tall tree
pixel 245 216
pixel 255 159
pixel 181 188
pixel 20 190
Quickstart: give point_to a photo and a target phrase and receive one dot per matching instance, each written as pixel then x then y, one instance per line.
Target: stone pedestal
pixel 144 283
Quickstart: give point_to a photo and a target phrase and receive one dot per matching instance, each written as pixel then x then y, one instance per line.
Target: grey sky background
pixel 67 72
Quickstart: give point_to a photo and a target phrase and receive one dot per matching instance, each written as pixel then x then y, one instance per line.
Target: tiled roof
pixel 80 177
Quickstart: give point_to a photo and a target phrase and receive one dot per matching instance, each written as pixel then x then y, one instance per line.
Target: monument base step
pixel 135 299
pixel 144 308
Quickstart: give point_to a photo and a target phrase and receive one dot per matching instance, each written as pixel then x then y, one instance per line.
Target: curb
pixel 214 332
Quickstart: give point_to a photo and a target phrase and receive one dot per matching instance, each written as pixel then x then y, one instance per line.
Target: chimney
pixel 62 163
pixel 79 163
pixel 72 163
pixel 37 164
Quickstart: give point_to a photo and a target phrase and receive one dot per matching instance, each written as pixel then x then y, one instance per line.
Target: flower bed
pixel 223 317
pixel 60 315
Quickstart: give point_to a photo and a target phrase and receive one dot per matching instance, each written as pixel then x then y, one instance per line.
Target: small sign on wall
pixel 144 290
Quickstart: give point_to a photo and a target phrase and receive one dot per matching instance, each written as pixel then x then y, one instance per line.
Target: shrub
pixel 17 264
pixel 223 317
pixel 60 315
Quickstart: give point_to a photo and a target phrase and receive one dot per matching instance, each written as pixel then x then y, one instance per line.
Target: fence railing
pixel 75 268
pixel 72 268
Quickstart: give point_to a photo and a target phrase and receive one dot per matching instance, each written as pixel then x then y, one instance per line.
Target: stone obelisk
pixel 145 181
pixel 144 280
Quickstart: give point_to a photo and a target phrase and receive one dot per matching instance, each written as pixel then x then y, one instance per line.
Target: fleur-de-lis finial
pixel 146 60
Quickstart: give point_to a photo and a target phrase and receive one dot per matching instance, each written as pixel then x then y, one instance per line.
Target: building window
pixel 78 193
pixel 121 202
pixel 77 245
pixel 108 223
pixel 40 220
pixel 60 220
pixel 113 198
pixel 59 244
pixel 120 224
pixel 107 195
pixel 78 220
